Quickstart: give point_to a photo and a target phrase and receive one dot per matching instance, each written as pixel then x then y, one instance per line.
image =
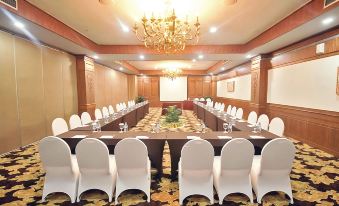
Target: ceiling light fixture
pixel 95 57
pixel 249 56
pixel 222 68
pixel 201 56
pixel 141 57
pixel 120 68
pixel 327 21
pixel 194 60
pixel 213 29
pixel 172 73
pixel 168 34
pixel 125 28
pixel 19 25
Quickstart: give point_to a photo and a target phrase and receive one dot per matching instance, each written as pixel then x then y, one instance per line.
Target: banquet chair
pixel 222 107
pixel 124 105
pixel 97 168
pixel 196 99
pixel 105 112
pixel 86 118
pixel 133 167
pixel 271 170
pixel 229 109
pixel 231 170
pixel 252 118
pixel 208 100
pixel 264 121
pixel 60 166
pixel 59 126
pixel 277 126
pixel 110 110
pixel 239 113
pixel 75 121
pixel 118 107
pixel 233 111
pixel 202 99
pixel 196 170
pixel 97 114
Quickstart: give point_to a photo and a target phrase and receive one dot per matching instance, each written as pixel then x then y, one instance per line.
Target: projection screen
pixel 173 90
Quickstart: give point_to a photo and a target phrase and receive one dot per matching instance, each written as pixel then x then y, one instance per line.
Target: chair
pixel 196 170
pixel 110 110
pixel 133 167
pixel 75 121
pixel 264 121
pixel 222 108
pixel 277 126
pixel 86 118
pixel 231 170
pixel 196 99
pixel 233 111
pixel 59 126
pixel 97 168
pixel 239 113
pixel 208 100
pixel 105 112
pixel 118 107
pixel 252 118
pixel 271 171
pixel 98 114
pixel 124 105
pixel 202 99
pixel 60 166
pixel 229 109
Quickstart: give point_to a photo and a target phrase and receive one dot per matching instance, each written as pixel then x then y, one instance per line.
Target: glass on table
pixel 153 125
pixel 121 127
pixel 198 127
pixel 225 126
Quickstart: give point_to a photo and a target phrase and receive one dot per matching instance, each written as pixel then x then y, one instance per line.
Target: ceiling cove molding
pixel 306 13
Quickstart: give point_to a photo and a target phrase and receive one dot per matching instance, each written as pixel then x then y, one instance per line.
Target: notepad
pixel 79 136
pixel 106 137
pixel 257 137
pixel 142 137
pixel 224 137
pixel 193 137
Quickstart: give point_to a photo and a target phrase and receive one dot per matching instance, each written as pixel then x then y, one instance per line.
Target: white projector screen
pixel 173 90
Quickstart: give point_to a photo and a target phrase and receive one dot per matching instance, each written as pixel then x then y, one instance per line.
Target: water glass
pixel 225 126
pixel 121 126
pixel 153 127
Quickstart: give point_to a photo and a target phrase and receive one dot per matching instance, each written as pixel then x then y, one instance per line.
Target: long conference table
pixel 155 142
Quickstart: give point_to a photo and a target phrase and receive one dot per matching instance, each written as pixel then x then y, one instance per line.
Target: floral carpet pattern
pixel 315 178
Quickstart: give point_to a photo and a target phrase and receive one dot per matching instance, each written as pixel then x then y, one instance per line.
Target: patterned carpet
pixel 315 179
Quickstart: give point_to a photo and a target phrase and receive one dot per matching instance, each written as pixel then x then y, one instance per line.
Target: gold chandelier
pixel 172 73
pixel 168 34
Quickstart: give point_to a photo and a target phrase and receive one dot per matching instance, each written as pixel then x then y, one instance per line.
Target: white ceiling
pixel 102 23
pixel 163 64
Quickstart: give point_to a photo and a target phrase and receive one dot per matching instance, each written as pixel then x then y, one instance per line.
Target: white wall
pixel 242 88
pixel 310 84
pixel 173 90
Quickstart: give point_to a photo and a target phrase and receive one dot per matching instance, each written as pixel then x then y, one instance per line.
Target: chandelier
pixel 172 73
pixel 168 34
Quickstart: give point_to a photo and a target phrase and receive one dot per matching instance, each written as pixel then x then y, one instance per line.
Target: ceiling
pixel 163 64
pixel 104 23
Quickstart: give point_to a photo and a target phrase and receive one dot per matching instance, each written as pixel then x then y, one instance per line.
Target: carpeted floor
pixel 315 178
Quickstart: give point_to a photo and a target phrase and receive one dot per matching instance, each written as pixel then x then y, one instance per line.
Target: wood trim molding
pixel 184 72
pixel 240 70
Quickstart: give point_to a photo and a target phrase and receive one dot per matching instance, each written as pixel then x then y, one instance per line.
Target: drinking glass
pixel 94 126
pixel 121 126
pixel 153 127
pixel 225 126
pixel 198 127
pixel 98 126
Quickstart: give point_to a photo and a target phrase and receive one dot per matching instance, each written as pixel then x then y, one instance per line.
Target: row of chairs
pixel 237 170
pixel 202 99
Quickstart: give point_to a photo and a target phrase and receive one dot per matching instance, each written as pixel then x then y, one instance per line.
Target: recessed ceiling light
pixel 249 56
pixel 121 68
pixel 194 60
pixel 213 29
pixel 141 57
pixel 19 25
pixel 328 20
pixel 211 74
pixel 125 29
pixel 222 68
pixel 95 57
pixel 201 56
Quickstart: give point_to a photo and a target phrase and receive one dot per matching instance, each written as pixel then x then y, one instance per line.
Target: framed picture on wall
pixel 329 2
pixel 338 81
pixel 230 86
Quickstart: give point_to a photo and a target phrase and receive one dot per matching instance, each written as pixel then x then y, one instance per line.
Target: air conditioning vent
pixel 11 3
pixel 329 2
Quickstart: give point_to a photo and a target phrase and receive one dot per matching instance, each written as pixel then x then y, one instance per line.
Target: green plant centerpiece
pixel 139 99
pixel 172 118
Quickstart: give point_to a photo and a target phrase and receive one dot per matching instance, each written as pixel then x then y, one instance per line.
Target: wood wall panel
pixel 149 87
pixel 199 86
pixel 245 105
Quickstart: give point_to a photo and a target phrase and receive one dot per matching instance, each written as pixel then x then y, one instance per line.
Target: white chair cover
pixel 229 109
pixel 105 112
pixel 202 99
pixel 86 118
pixel 277 126
pixel 59 126
pixel 252 118
pixel 75 121
pixel 233 111
pixel 239 113
pixel 98 114
pixel 110 110
pixel 264 121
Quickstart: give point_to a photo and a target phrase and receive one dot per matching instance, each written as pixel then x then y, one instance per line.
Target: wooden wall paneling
pixel 245 105
pixel 10 133
pixel 30 89
pixel 206 88
pixel 191 88
pixel 199 87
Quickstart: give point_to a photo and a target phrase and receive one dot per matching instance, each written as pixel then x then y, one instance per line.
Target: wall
pixel 111 87
pixel 242 88
pixel 37 84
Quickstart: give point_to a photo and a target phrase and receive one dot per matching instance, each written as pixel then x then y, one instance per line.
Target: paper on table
pixel 106 136
pixel 257 137
pixel 193 137
pixel 241 120
pixel 79 136
pixel 224 137
pixel 142 137
pixel 251 125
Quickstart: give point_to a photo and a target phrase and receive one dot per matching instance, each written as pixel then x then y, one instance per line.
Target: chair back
pixel 98 114
pixel 264 121
pixel 105 112
pixel 222 107
pixel 239 113
pixel 237 156
pixel 277 157
pixel 252 118
pixel 202 99
pixel 197 155
pixel 55 155
pixel 277 126
pixel 229 109
pixel 208 100
pixel 131 154
pixel 233 111
pixel 59 126
pixel 124 105
pixel 86 118
pixel 110 109
pixel 92 155
pixel 74 121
